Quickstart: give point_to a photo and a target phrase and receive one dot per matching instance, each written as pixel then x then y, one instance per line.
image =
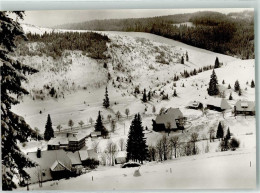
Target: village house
pixel 70 141
pixel 218 104
pixel 54 164
pixel 195 105
pixel 57 164
pixel 244 107
pixel 171 119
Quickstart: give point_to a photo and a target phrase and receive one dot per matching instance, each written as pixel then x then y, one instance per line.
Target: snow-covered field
pixel 224 170
pixel 136 53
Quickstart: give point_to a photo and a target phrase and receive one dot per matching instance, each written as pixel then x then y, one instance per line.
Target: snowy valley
pixel 140 63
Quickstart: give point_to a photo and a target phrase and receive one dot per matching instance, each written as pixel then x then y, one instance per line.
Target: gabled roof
pixel 169 116
pixel 245 106
pixel 49 157
pixel 74 157
pixel 219 102
pixel 55 159
pixel 58 166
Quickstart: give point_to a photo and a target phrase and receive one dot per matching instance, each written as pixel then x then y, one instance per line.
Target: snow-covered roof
pixel 219 102
pixel 83 154
pixel 74 157
pixel 58 141
pixel 194 104
pixel 58 166
pixel 77 137
pixel 95 133
pixel 245 106
pixel 169 117
pixel 46 161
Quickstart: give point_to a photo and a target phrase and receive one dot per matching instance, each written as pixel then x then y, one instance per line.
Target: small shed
pixel 218 104
pixel 195 105
pixel 120 157
pixel 95 134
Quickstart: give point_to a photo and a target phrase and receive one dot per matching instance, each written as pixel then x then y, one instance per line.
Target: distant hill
pixel 231 34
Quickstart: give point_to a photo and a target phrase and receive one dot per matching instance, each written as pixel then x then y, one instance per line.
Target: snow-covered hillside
pixel 150 62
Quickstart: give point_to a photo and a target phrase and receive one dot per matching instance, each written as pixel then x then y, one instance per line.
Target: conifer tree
pixel 216 63
pixel 106 100
pixel 136 143
pixel 49 132
pixel 149 96
pixel 229 87
pixel 213 84
pixel 175 93
pixel 230 97
pixel 13 126
pixel 237 86
pixel 187 56
pixel 228 135
pixel 144 96
pixel 220 131
pixel 252 84
pixel 182 60
pixel 99 124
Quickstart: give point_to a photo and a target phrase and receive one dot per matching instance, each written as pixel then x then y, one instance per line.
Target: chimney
pixel 39 153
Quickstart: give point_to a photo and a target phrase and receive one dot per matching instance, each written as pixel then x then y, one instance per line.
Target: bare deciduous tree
pixel 109 117
pixel 175 142
pixel 113 125
pixel 127 111
pixel 59 127
pixel 111 150
pixel 95 146
pixel 194 139
pixel 70 124
pixel 152 153
pixel 118 115
pixel 211 134
pixel 90 120
pixel 121 143
pixel 81 123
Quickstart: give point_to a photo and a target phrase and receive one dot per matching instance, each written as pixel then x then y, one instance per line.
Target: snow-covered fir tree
pixel 99 124
pixel 49 132
pixel 144 96
pixel 252 84
pixel 228 135
pixel 182 60
pixel 216 63
pixel 237 86
pixel 187 56
pixel 13 126
pixel 213 84
pixel 106 100
pixel 220 131
pixel 137 149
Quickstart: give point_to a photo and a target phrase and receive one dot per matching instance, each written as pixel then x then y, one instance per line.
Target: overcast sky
pixel 53 18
